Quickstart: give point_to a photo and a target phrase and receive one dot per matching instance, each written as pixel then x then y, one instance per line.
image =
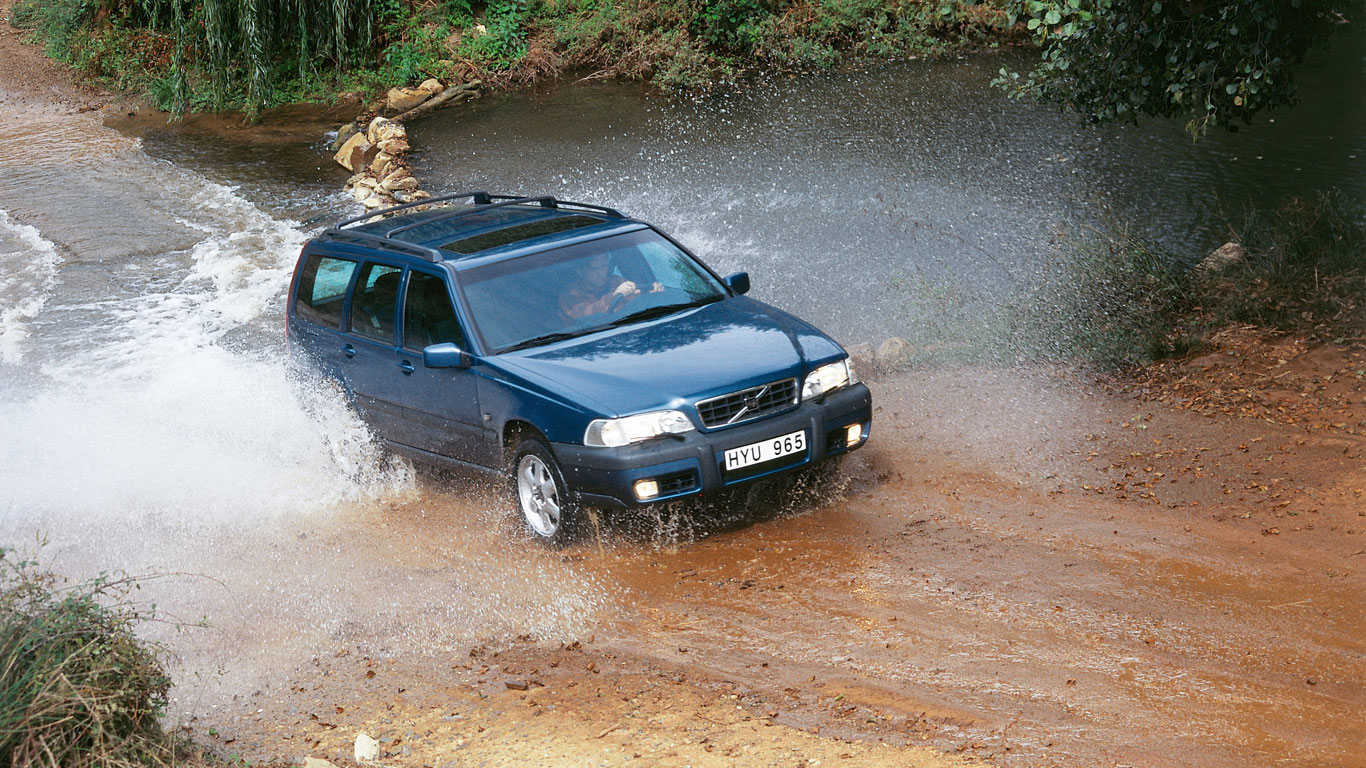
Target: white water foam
pixel 178 404
pixel 28 271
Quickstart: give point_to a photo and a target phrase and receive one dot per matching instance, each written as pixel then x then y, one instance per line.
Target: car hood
pixel 676 360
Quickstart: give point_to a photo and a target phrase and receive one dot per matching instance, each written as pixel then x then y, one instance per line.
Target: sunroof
pixel 518 233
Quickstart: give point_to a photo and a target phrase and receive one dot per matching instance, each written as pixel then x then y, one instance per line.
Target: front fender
pixel 504 398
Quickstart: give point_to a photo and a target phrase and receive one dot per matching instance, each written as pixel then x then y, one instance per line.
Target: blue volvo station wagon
pixel 582 352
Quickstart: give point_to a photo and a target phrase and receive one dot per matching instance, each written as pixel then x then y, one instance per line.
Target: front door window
pixel 428 316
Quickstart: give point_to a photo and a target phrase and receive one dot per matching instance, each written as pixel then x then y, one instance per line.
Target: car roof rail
pixel 479 196
pixel 335 234
pixel 503 201
pixel 482 201
pixel 551 202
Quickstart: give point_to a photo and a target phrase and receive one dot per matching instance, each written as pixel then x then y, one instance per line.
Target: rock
pixel 396 173
pixel 382 129
pixel 315 762
pixel 861 355
pixel 373 201
pixel 382 165
pixel 367 749
pixel 395 146
pixel 365 182
pixel 404 99
pixel 356 153
pixel 1223 257
pixel 431 86
pixel 405 183
pixel 402 197
pixel 892 352
pixel 343 133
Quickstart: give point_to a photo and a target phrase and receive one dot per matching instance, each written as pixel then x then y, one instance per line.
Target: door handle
pixel 349 350
pixel 406 367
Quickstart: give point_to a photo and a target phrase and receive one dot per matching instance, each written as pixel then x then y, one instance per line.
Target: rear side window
pixel 428 316
pixel 374 305
pixel 322 287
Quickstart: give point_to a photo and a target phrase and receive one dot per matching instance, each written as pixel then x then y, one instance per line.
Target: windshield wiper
pixel 543 339
pixel 661 310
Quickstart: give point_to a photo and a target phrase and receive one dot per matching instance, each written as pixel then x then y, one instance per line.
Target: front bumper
pixel 693 463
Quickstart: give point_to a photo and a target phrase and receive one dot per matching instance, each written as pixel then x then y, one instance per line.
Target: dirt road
pixel 1022 570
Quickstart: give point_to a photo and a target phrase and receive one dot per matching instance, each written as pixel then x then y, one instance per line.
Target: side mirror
pixel 446 355
pixel 738 282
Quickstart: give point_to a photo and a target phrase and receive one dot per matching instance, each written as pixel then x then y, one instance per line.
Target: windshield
pixel 578 289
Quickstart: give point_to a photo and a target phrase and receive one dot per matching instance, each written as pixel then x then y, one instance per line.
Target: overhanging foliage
pixel 1214 63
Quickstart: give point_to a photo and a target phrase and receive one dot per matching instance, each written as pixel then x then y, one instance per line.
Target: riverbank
pixel 32 76
pixel 204 62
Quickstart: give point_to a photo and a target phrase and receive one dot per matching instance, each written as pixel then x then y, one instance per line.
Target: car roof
pixel 444 229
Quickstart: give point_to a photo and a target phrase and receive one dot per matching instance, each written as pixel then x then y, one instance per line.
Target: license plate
pixel 765 450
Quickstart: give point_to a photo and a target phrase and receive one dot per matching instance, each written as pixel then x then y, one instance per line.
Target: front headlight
pixel 611 433
pixel 829 378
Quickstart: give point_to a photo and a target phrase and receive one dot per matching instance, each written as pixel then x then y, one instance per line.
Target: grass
pixel 77 686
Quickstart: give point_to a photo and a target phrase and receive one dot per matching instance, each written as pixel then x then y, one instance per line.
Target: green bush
pixel 503 44
pixel 77 686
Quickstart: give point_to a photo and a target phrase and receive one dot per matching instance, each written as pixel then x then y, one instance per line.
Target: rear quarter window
pixel 322 288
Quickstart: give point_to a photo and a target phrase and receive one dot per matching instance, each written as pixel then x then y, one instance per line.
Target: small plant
pixel 1305 269
pixel 1116 298
pixel 77 686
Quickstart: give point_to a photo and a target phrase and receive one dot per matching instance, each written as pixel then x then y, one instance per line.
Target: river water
pixel 150 422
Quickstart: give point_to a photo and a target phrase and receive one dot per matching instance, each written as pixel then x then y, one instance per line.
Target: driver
pixel 595 289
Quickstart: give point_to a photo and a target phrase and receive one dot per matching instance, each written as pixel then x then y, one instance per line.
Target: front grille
pixel 679 482
pixel 748 404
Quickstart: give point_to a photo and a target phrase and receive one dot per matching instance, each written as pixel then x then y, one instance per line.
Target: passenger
pixel 595 288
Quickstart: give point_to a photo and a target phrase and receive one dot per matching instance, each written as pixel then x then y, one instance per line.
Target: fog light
pixel 854 433
pixel 647 489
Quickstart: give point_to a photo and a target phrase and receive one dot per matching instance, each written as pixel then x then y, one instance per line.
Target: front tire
pixel 547 507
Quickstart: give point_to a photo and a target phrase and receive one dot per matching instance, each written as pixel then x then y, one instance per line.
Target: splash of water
pixel 175 400
pixel 30 272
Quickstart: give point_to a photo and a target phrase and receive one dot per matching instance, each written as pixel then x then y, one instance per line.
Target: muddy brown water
pixel 959 593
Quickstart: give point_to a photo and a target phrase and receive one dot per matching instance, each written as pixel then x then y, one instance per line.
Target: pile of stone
pixel 375 148
pixel 378 158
